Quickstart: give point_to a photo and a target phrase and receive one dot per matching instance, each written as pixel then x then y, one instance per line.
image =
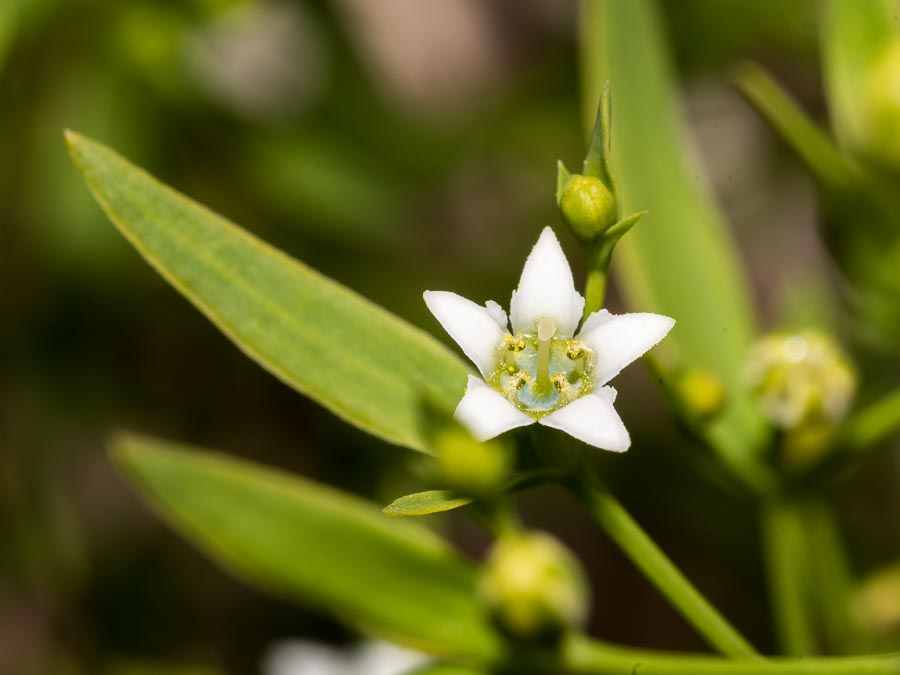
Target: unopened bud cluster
pixel 533 587
pixel 804 384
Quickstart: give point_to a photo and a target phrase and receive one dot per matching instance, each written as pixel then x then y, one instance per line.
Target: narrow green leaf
pixel 681 260
pixel 308 542
pixel 426 503
pixel 853 33
pixel 804 137
pixel 364 364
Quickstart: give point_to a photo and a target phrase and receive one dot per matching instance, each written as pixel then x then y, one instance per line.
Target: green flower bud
pixel 587 206
pixel 881 111
pixel 804 384
pixel 877 601
pixel 469 466
pixel 701 392
pixel 534 588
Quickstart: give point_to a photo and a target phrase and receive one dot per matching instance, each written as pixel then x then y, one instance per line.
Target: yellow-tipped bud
pixel 469 466
pixel 877 601
pixel 701 392
pixel 533 587
pixel 587 206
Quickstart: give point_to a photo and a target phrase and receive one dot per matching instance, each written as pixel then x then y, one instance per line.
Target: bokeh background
pixel 395 146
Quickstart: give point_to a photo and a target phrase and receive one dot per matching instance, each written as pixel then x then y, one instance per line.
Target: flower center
pixel 541 372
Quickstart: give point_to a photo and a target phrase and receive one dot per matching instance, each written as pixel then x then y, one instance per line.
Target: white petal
pixel 472 326
pixel 485 413
pixel 498 314
pixel 622 339
pixel 592 419
pixel 546 288
pixel 597 318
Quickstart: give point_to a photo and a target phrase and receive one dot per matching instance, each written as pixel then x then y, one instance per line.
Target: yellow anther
pixel 574 349
pixel 514 343
pixel 512 368
pixel 515 382
pixel 563 386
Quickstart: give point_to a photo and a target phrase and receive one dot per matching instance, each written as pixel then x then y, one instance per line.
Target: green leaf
pixel 304 541
pixel 811 144
pixel 853 33
pixel 364 364
pixel 426 503
pixel 681 260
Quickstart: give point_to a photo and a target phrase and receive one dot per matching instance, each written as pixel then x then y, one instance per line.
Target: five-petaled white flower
pixel 545 370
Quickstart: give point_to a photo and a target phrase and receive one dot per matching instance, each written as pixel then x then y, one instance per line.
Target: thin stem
pixel 589 657
pixel 784 548
pixel 594 290
pixel 874 423
pixel 831 577
pixel 658 569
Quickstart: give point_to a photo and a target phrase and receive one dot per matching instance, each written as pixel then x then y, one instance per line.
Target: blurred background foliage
pixel 396 146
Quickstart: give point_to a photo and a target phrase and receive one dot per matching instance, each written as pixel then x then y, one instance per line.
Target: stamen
pixel 574 349
pixel 563 386
pixel 514 344
pixel 545 331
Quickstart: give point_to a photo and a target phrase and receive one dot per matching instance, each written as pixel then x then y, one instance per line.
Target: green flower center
pixel 539 375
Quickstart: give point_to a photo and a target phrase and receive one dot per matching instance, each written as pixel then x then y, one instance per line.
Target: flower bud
pixel 804 384
pixel 469 466
pixel 701 393
pixel 881 111
pixel 534 588
pixel 877 601
pixel 588 207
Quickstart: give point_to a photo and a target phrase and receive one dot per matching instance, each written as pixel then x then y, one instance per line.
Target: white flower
pixel 545 370
pixel 299 657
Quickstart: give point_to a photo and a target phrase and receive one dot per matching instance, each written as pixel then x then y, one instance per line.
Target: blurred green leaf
pixel 8 21
pixel 805 138
pixel 853 33
pixel 309 542
pixel 425 503
pixel 862 210
pixel 680 260
pixel 364 364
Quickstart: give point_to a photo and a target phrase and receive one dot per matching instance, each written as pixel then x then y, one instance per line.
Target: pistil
pixel 545 331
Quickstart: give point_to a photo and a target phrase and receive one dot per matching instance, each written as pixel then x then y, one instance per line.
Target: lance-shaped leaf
pixel 680 260
pixel 308 542
pixel 853 34
pixel 361 362
pixel 426 503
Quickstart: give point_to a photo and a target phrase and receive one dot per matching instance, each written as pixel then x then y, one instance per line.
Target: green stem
pixel 784 536
pixel 594 290
pixel 874 423
pixel 832 578
pixel 658 569
pixel 588 657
